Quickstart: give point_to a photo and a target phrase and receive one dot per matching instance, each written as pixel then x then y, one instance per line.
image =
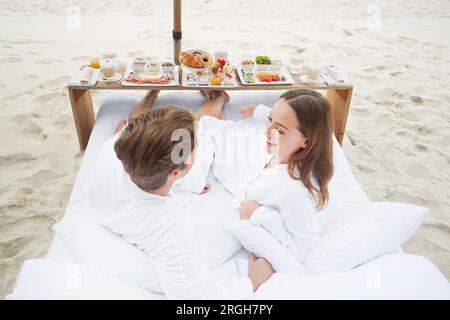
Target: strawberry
pixel 222 62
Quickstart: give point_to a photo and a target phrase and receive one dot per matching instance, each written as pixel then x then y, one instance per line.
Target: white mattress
pixel 393 276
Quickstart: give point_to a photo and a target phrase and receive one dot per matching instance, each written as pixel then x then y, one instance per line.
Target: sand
pixel 398 127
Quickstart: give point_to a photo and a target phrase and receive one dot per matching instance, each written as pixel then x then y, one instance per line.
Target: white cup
pixel 295 64
pixel 108 68
pixel 312 72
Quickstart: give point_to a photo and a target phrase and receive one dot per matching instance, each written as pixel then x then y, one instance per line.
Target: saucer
pixel 117 77
pixel 304 78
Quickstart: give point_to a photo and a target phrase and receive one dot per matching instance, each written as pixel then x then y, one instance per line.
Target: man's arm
pixel 181 274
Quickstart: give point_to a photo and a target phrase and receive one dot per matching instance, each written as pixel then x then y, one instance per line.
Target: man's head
pixel 157 147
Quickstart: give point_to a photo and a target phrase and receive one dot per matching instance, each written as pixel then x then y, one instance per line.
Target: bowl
pixel 138 68
pixel 152 64
pixel 248 67
pixel 276 65
pixel 196 70
pixel 167 69
pixel 262 67
pixel 138 64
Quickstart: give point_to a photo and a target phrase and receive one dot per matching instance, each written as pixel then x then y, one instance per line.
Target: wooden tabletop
pixel 298 84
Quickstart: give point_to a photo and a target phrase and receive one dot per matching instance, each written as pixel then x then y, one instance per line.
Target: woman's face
pixel 283 135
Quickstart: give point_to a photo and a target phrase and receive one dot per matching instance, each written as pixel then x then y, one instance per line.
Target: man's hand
pixel 247 208
pixel 247 111
pixel 259 270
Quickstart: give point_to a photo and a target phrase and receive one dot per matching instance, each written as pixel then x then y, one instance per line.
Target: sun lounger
pixel 392 276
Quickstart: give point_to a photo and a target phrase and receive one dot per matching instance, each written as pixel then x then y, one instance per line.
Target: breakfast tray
pixel 173 83
pixel 185 83
pixel 283 71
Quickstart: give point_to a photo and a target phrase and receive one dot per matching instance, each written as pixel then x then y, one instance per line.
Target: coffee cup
pixel 108 68
pixel 312 72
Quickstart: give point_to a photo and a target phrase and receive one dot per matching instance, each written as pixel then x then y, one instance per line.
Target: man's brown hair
pixel 146 146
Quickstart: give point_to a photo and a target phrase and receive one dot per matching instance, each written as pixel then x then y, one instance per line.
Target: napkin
pixel 85 77
pixel 334 77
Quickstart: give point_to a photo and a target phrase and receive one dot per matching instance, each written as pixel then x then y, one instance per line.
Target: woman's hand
pixel 259 270
pixel 206 188
pixel 247 208
pixel 247 111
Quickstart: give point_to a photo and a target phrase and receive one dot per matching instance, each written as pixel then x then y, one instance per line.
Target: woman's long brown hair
pixel 316 159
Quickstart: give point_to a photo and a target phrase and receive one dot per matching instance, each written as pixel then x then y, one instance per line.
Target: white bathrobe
pixel 237 153
pixel 159 226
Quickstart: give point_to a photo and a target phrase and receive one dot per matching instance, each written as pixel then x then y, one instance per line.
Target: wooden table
pixel 83 111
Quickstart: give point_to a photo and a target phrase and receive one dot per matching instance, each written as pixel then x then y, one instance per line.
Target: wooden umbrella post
pixel 176 33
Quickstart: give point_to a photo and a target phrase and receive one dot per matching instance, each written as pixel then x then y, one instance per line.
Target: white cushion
pixel 392 276
pixel 364 233
pixel 49 279
pixel 96 245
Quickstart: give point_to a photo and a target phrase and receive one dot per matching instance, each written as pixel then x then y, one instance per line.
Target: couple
pixel 282 184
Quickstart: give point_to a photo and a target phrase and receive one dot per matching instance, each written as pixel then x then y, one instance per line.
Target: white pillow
pixel 61 280
pixel 96 245
pixel 363 234
pixel 260 242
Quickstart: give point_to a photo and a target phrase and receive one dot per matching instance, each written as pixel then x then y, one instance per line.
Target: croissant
pixel 183 55
pixel 190 60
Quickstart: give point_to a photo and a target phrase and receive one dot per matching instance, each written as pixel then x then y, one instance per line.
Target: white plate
pixel 117 77
pixel 195 70
pixel 185 84
pixel 304 78
pixel 283 71
pixel 76 78
pixel 173 83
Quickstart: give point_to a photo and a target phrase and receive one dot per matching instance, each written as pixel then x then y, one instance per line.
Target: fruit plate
pixel 206 84
pixel 287 78
pixel 174 82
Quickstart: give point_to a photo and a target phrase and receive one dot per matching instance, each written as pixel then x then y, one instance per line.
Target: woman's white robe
pixel 237 153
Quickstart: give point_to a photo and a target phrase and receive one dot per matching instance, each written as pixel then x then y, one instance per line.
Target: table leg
pixel 83 114
pixel 340 105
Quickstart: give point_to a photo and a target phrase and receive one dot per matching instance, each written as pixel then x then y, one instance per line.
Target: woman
pixel 281 174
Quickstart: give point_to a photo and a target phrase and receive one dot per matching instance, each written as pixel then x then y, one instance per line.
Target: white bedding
pixel 396 276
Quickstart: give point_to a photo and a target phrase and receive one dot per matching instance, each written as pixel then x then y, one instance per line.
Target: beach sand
pixel 396 53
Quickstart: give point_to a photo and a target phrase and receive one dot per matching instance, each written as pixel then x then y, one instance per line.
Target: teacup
pixel 108 68
pixel 312 72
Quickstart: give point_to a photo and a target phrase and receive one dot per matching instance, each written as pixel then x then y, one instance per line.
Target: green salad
pixel 262 60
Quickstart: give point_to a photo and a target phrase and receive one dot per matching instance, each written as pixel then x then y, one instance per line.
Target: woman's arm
pixel 263 216
pixel 270 220
pixel 290 218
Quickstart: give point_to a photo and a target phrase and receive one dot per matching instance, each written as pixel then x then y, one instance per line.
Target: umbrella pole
pixel 176 33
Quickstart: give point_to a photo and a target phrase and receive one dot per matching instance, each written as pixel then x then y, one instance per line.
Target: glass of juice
pixel 95 62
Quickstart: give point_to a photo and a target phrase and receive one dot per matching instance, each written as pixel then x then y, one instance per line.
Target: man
pixel 129 192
